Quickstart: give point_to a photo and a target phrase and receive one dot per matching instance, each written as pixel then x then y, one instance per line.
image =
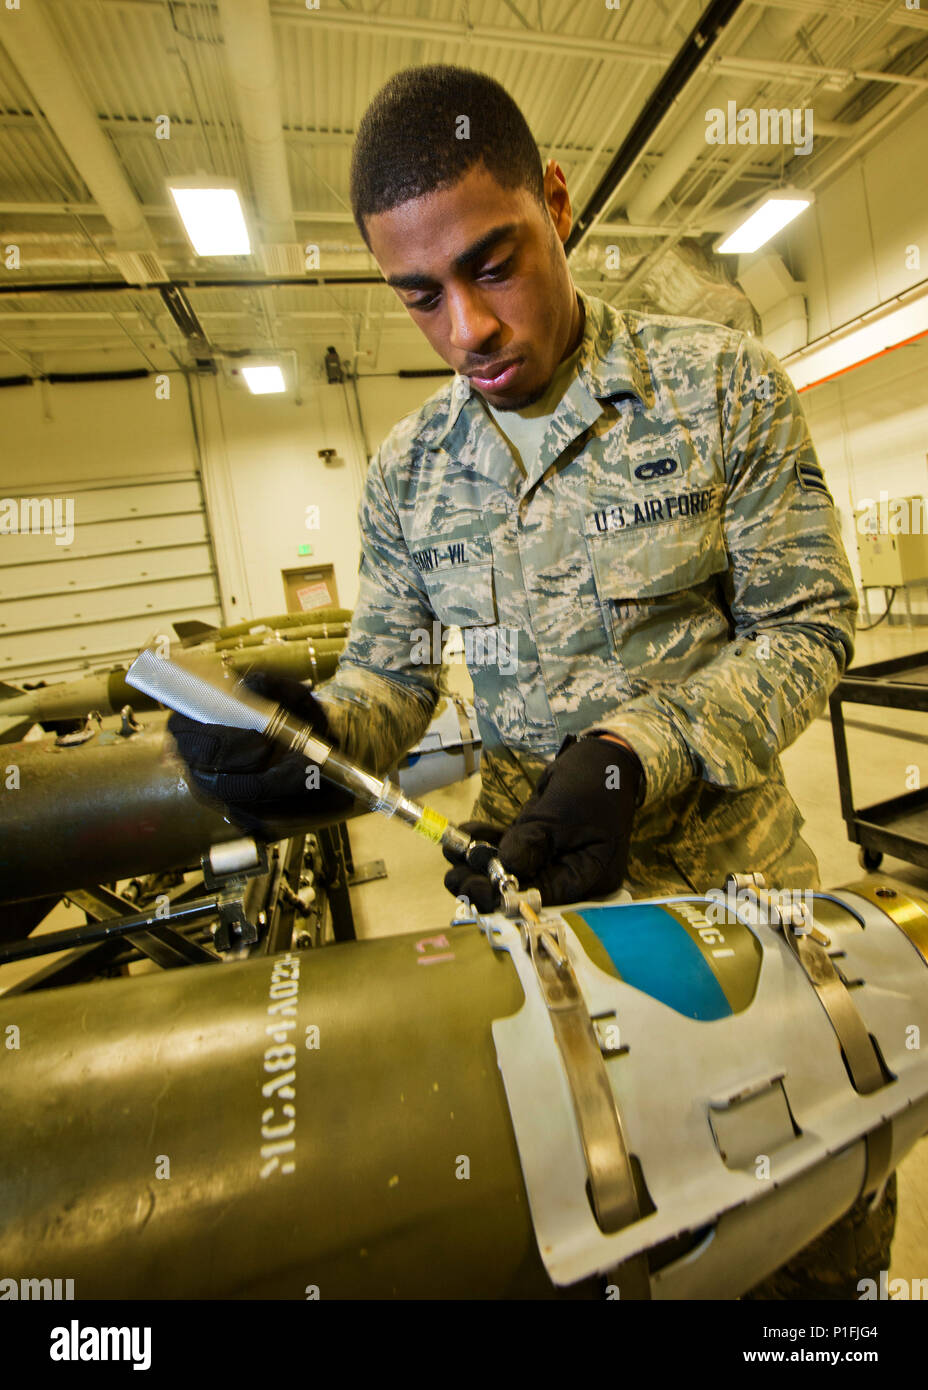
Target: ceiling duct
pixel 778 298
pixel 772 33
pixel 282 258
pixel 687 282
pixel 251 65
pixel 139 267
pixel 37 53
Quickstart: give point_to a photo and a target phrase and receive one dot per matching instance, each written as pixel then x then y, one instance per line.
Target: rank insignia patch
pixel 812 479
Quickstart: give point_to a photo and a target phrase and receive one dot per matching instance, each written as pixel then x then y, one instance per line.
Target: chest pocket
pixel 647 562
pixel 457 572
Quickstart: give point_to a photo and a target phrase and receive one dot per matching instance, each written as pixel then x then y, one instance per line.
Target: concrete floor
pixel 412 897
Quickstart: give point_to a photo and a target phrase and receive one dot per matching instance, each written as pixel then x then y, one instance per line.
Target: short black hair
pixel 410 140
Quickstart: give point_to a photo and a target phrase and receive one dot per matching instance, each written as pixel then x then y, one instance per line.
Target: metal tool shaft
pixel 214 695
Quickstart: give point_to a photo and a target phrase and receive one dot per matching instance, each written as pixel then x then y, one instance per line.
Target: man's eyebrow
pixel 467 258
pixel 485 244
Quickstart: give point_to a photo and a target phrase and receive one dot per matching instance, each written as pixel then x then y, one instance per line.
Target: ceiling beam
pixel 309 215
pixel 559 45
pixel 59 209
pixel 48 72
pixel 570 45
pixel 139 128
pixel 850 9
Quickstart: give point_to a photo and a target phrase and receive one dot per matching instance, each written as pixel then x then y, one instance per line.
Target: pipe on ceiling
pixel 10 290
pixel 251 64
pixel 60 378
pixel 697 46
pixel 771 33
pixel 37 53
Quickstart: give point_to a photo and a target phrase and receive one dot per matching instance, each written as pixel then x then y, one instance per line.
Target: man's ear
pixel 558 199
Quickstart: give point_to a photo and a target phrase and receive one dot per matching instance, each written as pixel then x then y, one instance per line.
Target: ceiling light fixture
pixel 211 212
pixel 264 380
pixel 766 218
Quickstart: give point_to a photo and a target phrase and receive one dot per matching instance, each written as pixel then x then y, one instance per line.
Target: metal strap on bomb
pixel 612 1183
pixel 809 946
pixel 786 1095
pixel 582 1119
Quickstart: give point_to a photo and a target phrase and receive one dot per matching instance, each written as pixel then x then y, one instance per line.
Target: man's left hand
pixel 570 840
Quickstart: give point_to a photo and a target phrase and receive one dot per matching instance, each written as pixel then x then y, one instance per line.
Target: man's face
pixel 482 272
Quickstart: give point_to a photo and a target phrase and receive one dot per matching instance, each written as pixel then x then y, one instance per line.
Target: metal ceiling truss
pixel 242 129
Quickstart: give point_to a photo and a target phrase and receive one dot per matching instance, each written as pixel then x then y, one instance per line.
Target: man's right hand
pixel 264 789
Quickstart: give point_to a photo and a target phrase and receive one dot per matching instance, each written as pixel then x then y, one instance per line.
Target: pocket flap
pixel 462 595
pixel 648 561
pixel 456 568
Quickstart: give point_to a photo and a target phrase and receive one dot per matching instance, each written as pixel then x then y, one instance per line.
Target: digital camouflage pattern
pixel 669 568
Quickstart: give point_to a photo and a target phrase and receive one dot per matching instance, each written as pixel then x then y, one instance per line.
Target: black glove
pixel 264 789
pixel 465 882
pixel 570 840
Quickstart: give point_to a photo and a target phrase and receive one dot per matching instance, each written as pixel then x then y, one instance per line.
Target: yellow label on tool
pixel 431 825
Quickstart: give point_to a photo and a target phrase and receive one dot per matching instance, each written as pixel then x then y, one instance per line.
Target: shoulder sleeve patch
pixel 812 479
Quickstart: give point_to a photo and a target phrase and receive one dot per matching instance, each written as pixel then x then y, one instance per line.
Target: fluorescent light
pixel 764 222
pixel 262 381
pixel 212 216
pixel 885 328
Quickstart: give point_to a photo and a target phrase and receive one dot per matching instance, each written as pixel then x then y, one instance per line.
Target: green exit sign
pixel 305 550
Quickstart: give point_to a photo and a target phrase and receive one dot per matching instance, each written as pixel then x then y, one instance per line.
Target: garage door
pixel 82 594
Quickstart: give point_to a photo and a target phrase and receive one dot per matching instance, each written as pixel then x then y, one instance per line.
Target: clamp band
pixel 809 945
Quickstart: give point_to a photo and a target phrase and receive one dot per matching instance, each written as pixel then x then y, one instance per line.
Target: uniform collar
pixel 610 365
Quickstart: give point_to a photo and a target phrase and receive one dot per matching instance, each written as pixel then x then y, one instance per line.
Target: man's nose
pixel 473 324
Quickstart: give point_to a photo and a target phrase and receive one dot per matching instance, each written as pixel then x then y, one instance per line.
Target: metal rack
pixel 898 826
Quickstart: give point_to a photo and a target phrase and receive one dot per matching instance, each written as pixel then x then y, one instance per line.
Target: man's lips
pixel 496 376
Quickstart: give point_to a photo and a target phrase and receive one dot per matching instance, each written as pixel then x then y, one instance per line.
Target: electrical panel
pixel 892 542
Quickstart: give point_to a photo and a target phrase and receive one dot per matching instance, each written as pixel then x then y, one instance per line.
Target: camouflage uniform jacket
pixel 669 568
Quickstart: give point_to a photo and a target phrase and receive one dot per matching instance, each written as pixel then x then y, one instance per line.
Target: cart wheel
pixel 870 859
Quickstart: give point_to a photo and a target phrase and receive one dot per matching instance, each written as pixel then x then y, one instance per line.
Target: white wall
pixel 260 465
pixel 851 247
pixel 385 400
pixel 870 429
pixel 76 431
pixel 262 471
